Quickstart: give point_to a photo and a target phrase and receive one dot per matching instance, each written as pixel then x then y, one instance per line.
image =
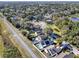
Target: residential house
pixel 66 45
pixel 36 40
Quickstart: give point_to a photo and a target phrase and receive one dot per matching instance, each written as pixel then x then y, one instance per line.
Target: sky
pixel 39 0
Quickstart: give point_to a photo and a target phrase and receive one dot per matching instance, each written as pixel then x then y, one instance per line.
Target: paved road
pixel 24 45
pixel 19 40
pixel 75 50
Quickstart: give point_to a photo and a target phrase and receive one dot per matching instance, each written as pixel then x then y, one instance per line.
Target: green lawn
pixel 1 47
pixel 75 15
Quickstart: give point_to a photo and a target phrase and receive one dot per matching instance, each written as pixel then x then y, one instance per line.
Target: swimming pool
pixel 74 19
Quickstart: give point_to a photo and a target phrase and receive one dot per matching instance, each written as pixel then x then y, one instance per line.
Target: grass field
pixel 1 47
pixel 75 15
pixel 7 49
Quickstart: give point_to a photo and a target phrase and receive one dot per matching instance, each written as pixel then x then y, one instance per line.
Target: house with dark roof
pixel 66 45
pixel 57 50
pixel 52 50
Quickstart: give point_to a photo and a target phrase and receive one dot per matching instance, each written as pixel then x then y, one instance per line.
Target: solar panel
pixel 51 52
pixel 57 50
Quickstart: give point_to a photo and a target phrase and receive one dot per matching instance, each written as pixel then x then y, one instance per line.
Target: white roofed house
pixel 40 23
pixel 37 40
